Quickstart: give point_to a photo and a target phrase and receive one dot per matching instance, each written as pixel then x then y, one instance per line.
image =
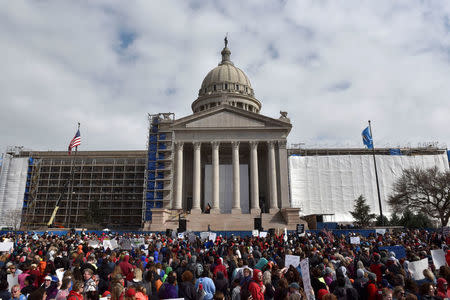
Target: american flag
pixel 75 142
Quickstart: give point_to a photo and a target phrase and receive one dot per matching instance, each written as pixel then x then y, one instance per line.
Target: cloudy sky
pixel 332 65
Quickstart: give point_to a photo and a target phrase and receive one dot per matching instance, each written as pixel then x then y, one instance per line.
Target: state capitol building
pixel 225 167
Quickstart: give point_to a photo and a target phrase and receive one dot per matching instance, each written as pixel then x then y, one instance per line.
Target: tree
pixel 381 222
pixel 411 220
pixel 12 218
pixel 361 212
pixel 395 220
pixel 423 191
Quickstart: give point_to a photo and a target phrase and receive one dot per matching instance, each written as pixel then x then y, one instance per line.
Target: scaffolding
pixel 109 182
pixel 159 175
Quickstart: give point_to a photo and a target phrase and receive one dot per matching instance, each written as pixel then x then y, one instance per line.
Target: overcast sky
pixel 332 65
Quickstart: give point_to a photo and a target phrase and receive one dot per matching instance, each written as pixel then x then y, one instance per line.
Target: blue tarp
pixel 448 155
pixel 395 152
pixel 399 251
pixel 327 225
pixel 162 136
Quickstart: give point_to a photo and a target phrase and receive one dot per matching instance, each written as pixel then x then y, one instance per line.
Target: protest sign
pixel 399 251
pixel 416 268
pixel 137 243
pixel 291 260
pixel 93 244
pixel 204 235
pixel 355 240
pixel 111 244
pixel 125 244
pixel 381 231
pixel 6 246
pixel 255 232
pixel 181 235
pixel 191 237
pixel 304 266
pixel 263 234
pixel 438 258
pixel 212 236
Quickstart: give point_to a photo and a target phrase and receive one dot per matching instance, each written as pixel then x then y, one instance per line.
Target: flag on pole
pixel 76 141
pixel 367 138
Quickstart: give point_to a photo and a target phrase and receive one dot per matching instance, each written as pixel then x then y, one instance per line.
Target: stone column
pixel 216 187
pixel 179 191
pixel 272 178
pixel 283 171
pixel 197 179
pixel 254 202
pixel 236 208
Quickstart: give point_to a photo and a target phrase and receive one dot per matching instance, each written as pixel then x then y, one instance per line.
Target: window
pixel 215 88
pixel 226 86
pixel 237 87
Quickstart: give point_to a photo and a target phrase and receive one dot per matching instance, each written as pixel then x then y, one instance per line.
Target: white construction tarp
pixel 329 185
pixel 13 178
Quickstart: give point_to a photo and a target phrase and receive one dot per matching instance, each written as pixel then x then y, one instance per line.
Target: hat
pixel 294 285
pixel 130 292
pixel 47 278
pixel 106 294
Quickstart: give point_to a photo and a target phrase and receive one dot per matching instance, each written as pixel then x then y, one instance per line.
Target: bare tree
pixel 12 218
pixel 426 191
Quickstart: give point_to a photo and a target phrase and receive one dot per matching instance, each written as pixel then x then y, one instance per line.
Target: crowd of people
pixel 44 267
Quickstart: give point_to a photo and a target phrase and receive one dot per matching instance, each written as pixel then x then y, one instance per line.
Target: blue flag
pixel 367 138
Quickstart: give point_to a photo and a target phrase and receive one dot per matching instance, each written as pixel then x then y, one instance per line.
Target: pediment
pixel 224 119
pixel 228 117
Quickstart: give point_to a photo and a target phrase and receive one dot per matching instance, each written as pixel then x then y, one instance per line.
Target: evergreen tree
pixel 384 222
pixel 361 213
pixel 395 220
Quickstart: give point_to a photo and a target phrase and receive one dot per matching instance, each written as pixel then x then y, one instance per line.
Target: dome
pixel 226 84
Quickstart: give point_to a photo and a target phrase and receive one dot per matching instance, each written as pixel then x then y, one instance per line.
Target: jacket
pixel 255 286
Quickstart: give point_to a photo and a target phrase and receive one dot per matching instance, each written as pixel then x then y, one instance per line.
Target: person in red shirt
pixel 376 267
pixel 256 286
pixel 127 269
pixel 372 290
pixel 220 268
pixel 77 291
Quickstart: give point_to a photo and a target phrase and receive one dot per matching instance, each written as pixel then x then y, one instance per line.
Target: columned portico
pixel 254 202
pixel 215 165
pixel 197 178
pixel 273 206
pixel 179 192
pixel 236 208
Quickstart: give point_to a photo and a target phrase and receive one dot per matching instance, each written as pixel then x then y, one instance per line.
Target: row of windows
pixel 228 87
pixel 234 103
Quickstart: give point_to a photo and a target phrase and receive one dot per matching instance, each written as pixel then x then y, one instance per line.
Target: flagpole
pixel 376 175
pixel 72 179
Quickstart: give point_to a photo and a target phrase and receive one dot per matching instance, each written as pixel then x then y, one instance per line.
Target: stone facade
pixel 227 142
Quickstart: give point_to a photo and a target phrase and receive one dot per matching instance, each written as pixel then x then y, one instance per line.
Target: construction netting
pixel 13 178
pixel 329 185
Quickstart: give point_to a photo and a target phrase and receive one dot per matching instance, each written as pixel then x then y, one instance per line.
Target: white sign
pixel 263 234
pixel 291 260
pixel 380 231
pixel 355 240
pixel 212 236
pixel 255 232
pixel 93 244
pixel 137 243
pixel 192 237
pixel 6 246
pixel 181 235
pixel 285 235
pixel 304 266
pixel 438 258
pixel 416 268
pixel 204 235
pixel 111 244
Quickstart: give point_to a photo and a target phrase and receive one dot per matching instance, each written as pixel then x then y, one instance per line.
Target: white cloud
pixel 331 64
